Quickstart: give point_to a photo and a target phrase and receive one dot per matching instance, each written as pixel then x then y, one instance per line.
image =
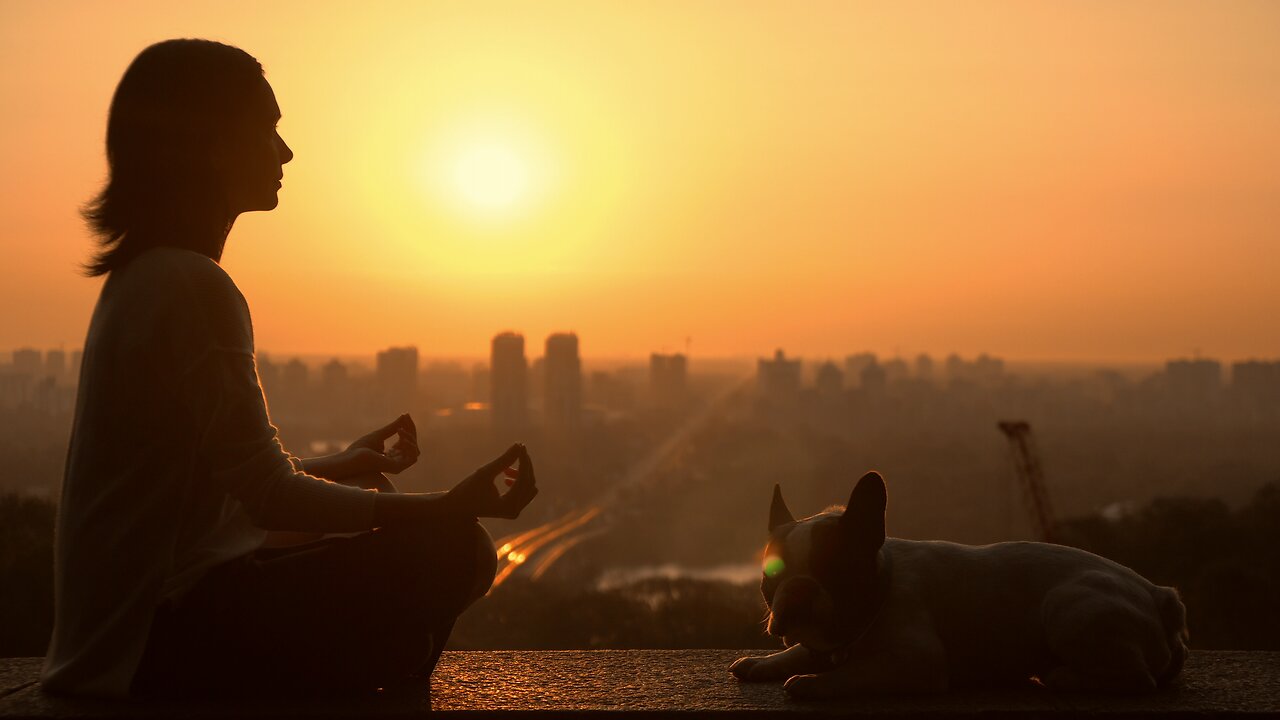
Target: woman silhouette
pixel 174 474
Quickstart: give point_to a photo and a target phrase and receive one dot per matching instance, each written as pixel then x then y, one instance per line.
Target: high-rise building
pixel 668 378
pixel 873 380
pixel 562 383
pixel 1256 380
pixel 27 361
pixel 55 362
pixel 829 382
pixel 397 378
pixel 1194 378
pixel 508 383
pixel 924 367
pixel 779 378
pixel 333 374
pixel 854 364
pixel 295 377
pixel 896 370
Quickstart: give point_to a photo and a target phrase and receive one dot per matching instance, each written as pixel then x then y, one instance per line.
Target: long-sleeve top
pixel 173 465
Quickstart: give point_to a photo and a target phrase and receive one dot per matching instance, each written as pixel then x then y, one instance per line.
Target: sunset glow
pixel 1034 180
pixel 491 178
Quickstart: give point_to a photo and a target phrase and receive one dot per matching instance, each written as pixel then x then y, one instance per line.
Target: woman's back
pixel 136 516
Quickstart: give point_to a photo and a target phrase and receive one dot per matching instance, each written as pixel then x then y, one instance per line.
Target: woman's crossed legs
pixel 339 614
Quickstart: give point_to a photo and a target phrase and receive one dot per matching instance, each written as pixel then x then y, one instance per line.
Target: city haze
pixel 1043 181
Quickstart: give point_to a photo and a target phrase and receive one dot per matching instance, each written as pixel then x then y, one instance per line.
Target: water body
pixel 735 574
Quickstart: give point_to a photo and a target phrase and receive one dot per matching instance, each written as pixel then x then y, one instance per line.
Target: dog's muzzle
pixel 793 604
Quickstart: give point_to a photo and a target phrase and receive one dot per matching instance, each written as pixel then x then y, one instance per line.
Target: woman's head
pixel 191 144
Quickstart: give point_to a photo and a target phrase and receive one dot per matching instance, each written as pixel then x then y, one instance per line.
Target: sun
pixel 491 177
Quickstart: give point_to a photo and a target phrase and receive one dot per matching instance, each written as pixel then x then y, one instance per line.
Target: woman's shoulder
pixel 175 264
pixel 183 281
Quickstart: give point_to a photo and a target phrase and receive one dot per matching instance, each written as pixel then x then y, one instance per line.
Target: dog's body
pixel 864 614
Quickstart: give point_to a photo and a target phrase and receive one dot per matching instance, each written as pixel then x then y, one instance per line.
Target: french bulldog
pixel 862 613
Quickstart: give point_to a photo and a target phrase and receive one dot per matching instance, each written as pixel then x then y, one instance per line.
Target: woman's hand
pixel 477 496
pixel 368 454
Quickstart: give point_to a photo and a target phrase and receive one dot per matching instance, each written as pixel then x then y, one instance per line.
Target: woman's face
pixel 251 159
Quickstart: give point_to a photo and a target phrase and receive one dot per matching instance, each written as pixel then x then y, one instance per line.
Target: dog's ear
pixel 863 519
pixel 779 514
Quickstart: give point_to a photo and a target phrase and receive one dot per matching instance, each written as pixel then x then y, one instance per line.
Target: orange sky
pixel 1076 180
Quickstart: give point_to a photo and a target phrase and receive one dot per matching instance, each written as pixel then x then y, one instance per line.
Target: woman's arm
pixel 370 455
pixel 337 467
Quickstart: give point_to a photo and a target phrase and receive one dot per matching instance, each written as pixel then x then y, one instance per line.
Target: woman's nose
pixel 286 154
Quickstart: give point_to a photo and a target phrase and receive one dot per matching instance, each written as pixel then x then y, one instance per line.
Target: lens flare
pixel 773 566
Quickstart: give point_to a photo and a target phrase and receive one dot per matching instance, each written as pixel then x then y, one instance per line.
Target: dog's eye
pixel 773 566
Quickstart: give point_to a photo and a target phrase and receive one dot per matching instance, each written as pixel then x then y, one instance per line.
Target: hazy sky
pixel 1076 180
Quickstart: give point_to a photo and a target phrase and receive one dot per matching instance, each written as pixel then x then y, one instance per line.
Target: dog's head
pixel 822 574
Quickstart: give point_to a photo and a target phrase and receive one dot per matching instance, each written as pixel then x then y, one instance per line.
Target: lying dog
pixel 860 613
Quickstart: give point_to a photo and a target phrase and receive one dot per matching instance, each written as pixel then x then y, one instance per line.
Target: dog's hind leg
pixel 1103 636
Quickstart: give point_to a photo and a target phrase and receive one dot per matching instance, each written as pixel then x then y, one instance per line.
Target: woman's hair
pixel 176 100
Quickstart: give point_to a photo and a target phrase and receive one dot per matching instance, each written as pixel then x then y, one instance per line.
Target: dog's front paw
pixel 809 687
pixel 742 668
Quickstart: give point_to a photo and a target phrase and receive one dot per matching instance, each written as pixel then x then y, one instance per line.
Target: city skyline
pixel 928 177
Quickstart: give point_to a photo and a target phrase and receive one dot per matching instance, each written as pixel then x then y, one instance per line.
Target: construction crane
pixel 1026 463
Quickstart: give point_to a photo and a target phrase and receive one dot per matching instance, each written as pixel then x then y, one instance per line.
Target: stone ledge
pixel 675 684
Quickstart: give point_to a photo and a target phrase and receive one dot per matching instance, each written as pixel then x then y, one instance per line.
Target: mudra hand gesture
pixel 477 496
pixel 369 453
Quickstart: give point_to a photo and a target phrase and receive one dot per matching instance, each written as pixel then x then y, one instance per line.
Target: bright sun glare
pixel 491 177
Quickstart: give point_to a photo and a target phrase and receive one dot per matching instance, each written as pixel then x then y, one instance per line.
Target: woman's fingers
pixel 407 445
pixel 490 470
pixel 526 476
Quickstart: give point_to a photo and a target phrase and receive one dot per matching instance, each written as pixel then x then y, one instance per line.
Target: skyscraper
pixel 397 378
pixel 55 362
pixel 778 379
pixel 562 403
pixel 27 361
pixel 1196 378
pixel 668 378
pixel 829 382
pixel 508 383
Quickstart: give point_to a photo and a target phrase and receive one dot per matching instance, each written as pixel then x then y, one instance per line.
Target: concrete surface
pixel 675 684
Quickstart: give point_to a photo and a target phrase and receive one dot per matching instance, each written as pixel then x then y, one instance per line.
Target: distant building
pixel 27 361
pixel 983 370
pixel 295 378
pixel 924 367
pixel 334 374
pixel 829 381
pixel 668 378
pixel 1256 380
pixel 779 378
pixel 562 381
pixel 874 380
pixel 508 383
pixel 988 369
pixel 854 364
pixel 55 362
pixel 896 370
pixel 1196 378
pixel 396 378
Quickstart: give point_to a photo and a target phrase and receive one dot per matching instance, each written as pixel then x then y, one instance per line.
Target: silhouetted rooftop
pixel 677 683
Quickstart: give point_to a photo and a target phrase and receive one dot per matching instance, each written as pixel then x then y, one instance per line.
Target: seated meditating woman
pixel 165 578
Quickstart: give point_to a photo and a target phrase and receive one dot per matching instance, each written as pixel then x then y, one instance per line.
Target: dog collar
pixel 842 654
